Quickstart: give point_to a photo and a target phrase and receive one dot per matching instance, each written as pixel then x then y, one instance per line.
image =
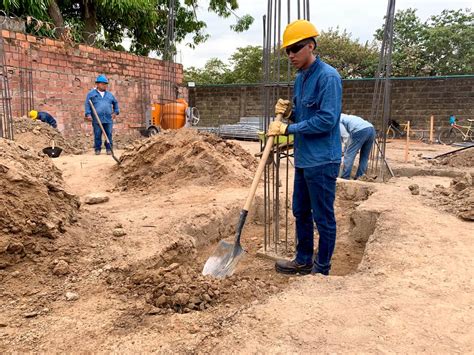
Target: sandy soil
pixel 402 276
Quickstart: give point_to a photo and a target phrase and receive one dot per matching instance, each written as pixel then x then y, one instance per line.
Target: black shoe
pixel 109 152
pixel 97 152
pixel 292 267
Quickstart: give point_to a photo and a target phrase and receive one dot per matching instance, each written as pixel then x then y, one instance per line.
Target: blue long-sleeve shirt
pixel 104 106
pixel 317 105
pixel 354 123
pixel 47 118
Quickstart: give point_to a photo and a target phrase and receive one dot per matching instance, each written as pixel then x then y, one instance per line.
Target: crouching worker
pixel 43 117
pixel 362 135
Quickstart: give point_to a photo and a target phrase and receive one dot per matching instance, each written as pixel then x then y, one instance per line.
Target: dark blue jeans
pixel 98 136
pixel 313 200
pixel 363 140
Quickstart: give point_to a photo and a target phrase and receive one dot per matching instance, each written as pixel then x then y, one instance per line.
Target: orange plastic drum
pixel 155 115
pixel 174 115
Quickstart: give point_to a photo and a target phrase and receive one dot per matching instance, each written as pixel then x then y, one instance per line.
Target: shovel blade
pixel 223 261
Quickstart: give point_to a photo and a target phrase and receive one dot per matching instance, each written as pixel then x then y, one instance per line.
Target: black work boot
pixel 292 267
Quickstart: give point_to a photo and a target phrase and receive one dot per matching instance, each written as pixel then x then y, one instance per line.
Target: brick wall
pixel 63 74
pixel 414 99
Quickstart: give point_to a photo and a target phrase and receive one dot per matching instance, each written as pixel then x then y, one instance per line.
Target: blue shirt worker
pixel 344 137
pixel 107 108
pixel 362 135
pixel 43 117
pixel 317 101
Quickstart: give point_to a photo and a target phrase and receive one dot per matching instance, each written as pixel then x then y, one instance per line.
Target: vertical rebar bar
pixel 276 83
pixel 6 120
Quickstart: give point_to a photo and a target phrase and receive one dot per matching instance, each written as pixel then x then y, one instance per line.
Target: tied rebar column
pixel 26 92
pixel 277 83
pixel 381 102
pixel 6 120
pixel 169 90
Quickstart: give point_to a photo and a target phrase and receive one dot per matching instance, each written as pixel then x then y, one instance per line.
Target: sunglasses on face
pixel 295 48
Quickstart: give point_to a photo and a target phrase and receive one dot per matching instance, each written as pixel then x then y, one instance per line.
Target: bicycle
pixel 396 130
pixel 457 133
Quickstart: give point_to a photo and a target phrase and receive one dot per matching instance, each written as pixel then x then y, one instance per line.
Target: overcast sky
pixel 360 17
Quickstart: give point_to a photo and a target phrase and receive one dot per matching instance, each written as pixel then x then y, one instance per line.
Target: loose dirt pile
pixel 458 198
pixel 39 135
pixel 185 157
pixel 84 142
pixel 463 159
pixel 33 202
pixel 181 288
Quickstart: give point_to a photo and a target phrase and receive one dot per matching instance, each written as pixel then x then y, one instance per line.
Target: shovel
pixel 103 131
pixel 52 152
pixel 225 258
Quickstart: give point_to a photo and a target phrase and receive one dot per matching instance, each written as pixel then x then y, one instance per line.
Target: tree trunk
pixel 55 13
pixel 90 22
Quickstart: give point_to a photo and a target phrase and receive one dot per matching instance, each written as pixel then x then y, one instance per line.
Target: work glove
pixel 277 128
pixel 283 107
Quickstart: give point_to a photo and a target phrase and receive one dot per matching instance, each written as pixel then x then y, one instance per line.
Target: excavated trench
pixel 175 283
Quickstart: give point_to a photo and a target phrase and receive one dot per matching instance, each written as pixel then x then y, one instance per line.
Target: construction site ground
pixel 401 279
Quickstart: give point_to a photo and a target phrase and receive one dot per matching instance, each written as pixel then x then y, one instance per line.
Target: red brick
pixel 31 39
pixel 83 48
pixel 7 34
pixel 49 42
pixel 20 36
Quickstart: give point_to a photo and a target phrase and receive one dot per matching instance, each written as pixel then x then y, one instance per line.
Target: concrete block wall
pixel 414 99
pixel 63 74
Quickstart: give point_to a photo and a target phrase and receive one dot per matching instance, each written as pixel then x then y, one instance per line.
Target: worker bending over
pixel 362 135
pixel 317 101
pixel 43 117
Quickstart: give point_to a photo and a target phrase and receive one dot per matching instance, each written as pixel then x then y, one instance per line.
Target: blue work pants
pixel 361 140
pixel 98 136
pixel 313 200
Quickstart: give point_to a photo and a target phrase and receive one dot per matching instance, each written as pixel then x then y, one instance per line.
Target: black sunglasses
pixel 295 48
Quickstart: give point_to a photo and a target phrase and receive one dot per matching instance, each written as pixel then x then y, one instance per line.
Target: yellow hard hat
pixel 33 114
pixel 297 31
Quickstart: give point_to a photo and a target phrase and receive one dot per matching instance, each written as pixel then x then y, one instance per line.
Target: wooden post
pixel 431 128
pixel 407 142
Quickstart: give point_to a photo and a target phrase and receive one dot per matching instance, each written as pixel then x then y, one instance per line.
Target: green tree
pixel 441 45
pixel 351 58
pixel 449 43
pixel 246 65
pixel 215 71
pixel 107 22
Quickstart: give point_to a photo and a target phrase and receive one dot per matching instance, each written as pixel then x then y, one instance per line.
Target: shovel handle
pixel 261 166
pixel 98 121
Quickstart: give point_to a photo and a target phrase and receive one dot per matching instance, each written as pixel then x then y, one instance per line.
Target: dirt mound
pixel 181 157
pixel 38 135
pixel 33 202
pixel 84 142
pixel 463 159
pixel 458 198
pixel 182 288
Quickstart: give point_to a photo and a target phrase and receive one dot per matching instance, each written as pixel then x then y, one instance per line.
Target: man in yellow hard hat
pixel 43 117
pixel 317 101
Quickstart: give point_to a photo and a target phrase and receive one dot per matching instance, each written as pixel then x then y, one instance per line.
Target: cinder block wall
pixel 63 73
pixel 414 99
